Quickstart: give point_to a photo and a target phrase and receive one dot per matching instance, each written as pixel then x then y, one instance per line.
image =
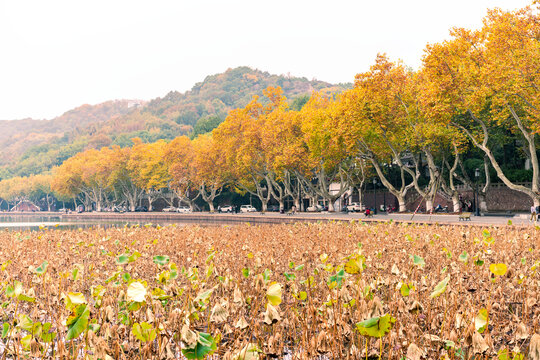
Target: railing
pixel 491 186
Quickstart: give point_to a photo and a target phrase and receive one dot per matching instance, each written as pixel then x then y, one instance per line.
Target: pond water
pixel 37 222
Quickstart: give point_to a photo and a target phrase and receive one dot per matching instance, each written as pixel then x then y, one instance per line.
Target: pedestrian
pixel 533 213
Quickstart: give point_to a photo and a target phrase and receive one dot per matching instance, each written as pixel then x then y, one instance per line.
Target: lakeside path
pixel 276 218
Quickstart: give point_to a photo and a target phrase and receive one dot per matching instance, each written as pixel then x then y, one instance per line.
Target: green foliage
pixel 77 322
pixel 376 326
pixel 40 270
pixel 418 261
pixel 205 345
pixel 206 124
pixel 144 331
pixel 440 288
pixel 481 320
pixel 161 260
pixel 299 102
pixel 337 279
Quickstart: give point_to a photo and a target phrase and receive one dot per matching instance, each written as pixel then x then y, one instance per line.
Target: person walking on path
pixel 533 213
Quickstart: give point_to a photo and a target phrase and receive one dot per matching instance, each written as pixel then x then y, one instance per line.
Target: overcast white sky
pixel 56 55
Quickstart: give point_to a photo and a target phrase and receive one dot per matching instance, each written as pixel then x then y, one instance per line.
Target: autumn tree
pixel 180 157
pixel 287 154
pixel 328 161
pixel 121 179
pixel 40 189
pixel 488 78
pixel 240 141
pixel 210 171
pixel 371 124
pixel 11 191
pixel 86 177
pixel 148 169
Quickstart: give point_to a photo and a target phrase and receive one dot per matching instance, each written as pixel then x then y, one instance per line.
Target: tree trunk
pixel 401 202
pixel 185 195
pixel 400 193
pixel 429 206
pixel 532 192
pixel 209 195
pixel 324 181
pixel 152 196
pixel 277 189
pixel 293 188
pixel 264 196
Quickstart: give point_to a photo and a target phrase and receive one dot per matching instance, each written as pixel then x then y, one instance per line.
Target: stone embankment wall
pixel 499 199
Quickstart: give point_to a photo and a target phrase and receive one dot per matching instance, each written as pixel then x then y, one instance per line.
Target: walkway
pixel 273 217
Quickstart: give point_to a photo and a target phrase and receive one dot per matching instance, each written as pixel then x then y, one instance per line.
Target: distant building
pixel 133 104
pixel 25 205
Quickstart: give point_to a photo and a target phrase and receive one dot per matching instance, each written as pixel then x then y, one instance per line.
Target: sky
pixel 57 55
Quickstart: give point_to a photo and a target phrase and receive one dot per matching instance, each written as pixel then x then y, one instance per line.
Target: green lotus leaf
pixel 205 346
pixel 376 326
pixel 77 322
pixel 161 260
pixel 440 288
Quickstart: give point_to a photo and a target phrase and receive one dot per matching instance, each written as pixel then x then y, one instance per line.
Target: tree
pixel 488 78
pixel 85 175
pixel 148 169
pixel 240 140
pixel 328 161
pixel 206 124
pixel 286 153
pixel 180 156
pixel 210 171
pixel 121 179
pixel 372 125
pixel 41 189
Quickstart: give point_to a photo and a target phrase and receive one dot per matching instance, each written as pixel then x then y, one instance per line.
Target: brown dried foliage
pixel 237 313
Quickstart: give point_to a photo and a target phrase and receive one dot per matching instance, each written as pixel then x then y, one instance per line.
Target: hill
pixel 33 146
pixel 17 136
pixel 220 93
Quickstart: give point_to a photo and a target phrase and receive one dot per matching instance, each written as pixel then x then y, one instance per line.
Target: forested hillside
pixel 33 146
pixel 218 94
pixel 17 136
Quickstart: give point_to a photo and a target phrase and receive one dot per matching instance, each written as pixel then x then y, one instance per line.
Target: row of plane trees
pixel 472 94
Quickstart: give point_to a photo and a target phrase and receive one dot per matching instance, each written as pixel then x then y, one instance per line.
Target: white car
pixel 315 208
pixel 226 209
pixel 183 209
pixel 169 209
pixel 247 208
pixel 356 207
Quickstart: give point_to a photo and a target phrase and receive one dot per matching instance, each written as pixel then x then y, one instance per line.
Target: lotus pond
pixel 301 291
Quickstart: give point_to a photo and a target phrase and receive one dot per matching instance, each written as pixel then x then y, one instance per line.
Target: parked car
pixel 273 208
pixel 226 209
pixel 141 209
pixel 356 207
pixel 315 208
pixel 247 208
pixel 169 209
pixel 183 209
